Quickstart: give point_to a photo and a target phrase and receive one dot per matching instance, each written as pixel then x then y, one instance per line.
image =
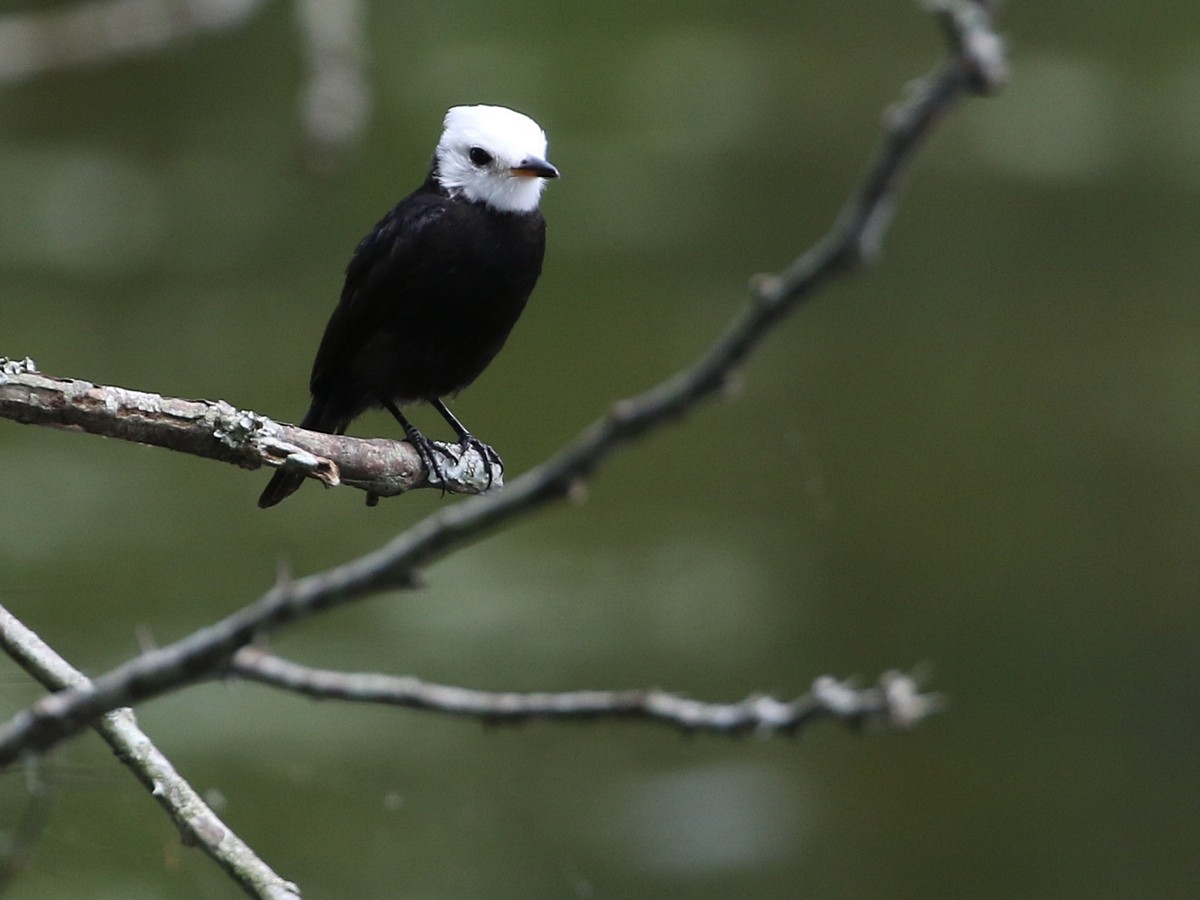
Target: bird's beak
pixel 533 167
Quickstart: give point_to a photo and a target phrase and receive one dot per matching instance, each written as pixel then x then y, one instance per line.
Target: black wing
pixel 431 295
pixel 384 264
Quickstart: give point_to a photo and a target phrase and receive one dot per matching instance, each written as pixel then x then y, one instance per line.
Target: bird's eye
pixel 479 156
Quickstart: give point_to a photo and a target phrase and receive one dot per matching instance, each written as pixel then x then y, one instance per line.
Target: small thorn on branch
pixel 974 42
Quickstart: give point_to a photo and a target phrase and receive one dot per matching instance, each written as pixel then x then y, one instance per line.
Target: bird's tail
pixel 281 486
pixel 284 483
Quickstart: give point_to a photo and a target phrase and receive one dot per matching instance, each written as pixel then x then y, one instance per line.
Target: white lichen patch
pixel 235 427
pixel 24 366
pixel 468 469
pixel 117 399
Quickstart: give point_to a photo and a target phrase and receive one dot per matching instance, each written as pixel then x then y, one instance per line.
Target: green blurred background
pixel 980 456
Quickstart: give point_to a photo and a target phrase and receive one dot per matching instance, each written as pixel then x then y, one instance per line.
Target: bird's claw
pixel 436 455
pixel 491 459
pixel 428 451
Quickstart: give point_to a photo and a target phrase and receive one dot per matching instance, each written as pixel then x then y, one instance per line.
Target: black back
pixel 430 297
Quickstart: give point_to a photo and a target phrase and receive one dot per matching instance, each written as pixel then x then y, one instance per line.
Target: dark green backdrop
pixel 981 455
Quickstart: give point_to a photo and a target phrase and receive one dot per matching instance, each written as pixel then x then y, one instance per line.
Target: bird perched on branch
pixel 433 291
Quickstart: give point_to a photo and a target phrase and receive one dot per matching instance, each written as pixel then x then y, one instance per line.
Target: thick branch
pixel 896 701
pixel 197 822
pixel 859 227
pixel 215 430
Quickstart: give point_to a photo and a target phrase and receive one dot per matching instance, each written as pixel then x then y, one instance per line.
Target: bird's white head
pixel 494 156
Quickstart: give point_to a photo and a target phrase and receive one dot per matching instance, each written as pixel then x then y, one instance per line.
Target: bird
pixel 432 292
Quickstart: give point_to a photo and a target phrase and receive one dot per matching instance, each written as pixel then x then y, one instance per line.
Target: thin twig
pixel 197 822
pixel 98 31
pixel 895 701
pixel 336 103
pixel 858 229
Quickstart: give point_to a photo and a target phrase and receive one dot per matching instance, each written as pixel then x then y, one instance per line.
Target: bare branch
pixel 197 823
pixel 87 33
pixel 336 103
pixel 859 226
pixel 215 430
pixel 895 702
pixel 978 51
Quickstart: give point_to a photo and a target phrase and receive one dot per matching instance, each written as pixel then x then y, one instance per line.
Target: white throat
pixel 495 156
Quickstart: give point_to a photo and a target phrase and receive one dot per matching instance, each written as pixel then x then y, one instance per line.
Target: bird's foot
pixel 491 459
pixel 430 453
pixel 458 464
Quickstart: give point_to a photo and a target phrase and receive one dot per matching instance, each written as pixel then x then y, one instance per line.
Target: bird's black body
pixel 430 297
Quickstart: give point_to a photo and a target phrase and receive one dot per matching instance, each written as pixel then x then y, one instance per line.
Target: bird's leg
pixel 426 449
pixel 468 441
